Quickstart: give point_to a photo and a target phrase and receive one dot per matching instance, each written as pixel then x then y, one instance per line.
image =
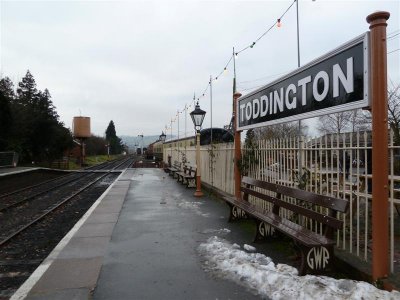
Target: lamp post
pixel 108 150
pixel 141 135
pixel 162 138
pixel 197 117
pixel 170 161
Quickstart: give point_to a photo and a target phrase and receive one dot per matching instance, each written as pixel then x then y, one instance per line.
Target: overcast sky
pixel 138 62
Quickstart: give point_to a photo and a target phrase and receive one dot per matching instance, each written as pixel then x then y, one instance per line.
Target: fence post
pixel 238 150
pixel 378 88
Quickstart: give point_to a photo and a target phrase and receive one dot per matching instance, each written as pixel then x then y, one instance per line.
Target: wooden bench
pixel 188 175
pixel 172 170
pixel 316 250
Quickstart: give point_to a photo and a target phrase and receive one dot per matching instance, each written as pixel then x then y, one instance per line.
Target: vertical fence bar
pixel 358 193
pixel 391 148
pixel 367 162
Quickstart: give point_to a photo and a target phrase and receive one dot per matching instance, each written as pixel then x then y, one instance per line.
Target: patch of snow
pixel 189 205
pixel 259 273
pixel 217 231
pixel 194 206
pixel 249 248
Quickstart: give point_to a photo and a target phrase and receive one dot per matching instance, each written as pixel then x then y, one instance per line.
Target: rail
pixel 51 208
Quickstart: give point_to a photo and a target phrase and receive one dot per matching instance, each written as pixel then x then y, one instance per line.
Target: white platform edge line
pixel 26 287
pixel 36 169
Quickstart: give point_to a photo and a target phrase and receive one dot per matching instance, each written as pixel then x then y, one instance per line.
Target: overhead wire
pixel 393 51
pixel 232 56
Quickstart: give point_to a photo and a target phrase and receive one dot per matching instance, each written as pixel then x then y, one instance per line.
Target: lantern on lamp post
pixel 162 137
pixel 197 117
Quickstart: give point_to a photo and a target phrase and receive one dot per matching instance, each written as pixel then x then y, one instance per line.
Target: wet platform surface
pixel 140 241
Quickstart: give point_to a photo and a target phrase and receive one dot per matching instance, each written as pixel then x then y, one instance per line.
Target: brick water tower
pixel 81 131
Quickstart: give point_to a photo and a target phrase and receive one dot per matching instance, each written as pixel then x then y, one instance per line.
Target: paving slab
pixel 72 269
pixel 143 244
pixel 95 230
pixel 98 217
pixel 85 247
pixel 153 252
pixel 64 294
pixel 69 274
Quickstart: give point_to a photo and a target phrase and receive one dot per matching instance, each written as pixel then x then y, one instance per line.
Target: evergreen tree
pixel 26 91
pixel 29 123
pixel 115 142
pixel 6 119
pixel 38 131
pixel 7 88
pixel 110 131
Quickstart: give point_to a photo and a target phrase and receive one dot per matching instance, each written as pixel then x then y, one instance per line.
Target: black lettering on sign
pixel 337 81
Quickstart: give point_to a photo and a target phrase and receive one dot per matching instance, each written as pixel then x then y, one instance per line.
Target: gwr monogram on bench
pixel 318 258
pixel 316 249
pixel 265 229
pixel 238 213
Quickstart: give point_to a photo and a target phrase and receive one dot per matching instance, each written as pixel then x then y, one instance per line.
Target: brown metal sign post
pixel 378 80
pixel 238 152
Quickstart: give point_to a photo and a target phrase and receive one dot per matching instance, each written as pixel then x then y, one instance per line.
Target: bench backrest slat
pixel 333 203
pixel 324 219
pixel 192 169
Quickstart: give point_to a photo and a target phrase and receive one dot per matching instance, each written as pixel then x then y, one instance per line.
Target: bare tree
pixel 360 120
pixel 290 129
pixel 394 111
pixel 334 123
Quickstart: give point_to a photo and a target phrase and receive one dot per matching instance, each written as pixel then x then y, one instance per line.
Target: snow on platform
pixel 259 273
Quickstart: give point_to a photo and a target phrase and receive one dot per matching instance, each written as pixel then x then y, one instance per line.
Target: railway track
pixel 18 197
pixel 33 225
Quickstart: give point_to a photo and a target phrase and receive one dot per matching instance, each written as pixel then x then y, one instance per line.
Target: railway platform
pixel 139 241
pixel 16 170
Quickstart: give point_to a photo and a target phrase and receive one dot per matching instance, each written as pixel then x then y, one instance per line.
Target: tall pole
pixel 186 107
pixel 378 81
pixel 238 150
pixel 142 144
pixel 198 192
pixel 234 72
pixel 211 136
pixel 178 136
pixel 298 35
pixel 211 116
pixel 141 135
pixel 171 143
pixel 234 90
pixel 165 153
pixel 300 144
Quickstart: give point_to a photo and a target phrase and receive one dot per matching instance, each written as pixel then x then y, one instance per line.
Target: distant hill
pixel 131 141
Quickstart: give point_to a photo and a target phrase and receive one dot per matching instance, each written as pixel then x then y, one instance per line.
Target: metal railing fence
pixel 337 164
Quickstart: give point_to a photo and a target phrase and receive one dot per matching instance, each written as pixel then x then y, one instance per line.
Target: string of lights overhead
pixel 234 55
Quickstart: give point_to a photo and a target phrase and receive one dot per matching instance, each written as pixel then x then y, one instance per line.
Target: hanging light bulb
pixel 216 78
pixel 225 70
pixel 252 45
pixel 236 55
pixel 279 24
